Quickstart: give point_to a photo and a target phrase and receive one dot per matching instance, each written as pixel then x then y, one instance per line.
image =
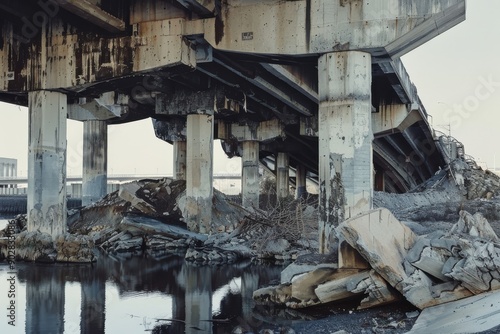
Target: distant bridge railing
pixel 11 180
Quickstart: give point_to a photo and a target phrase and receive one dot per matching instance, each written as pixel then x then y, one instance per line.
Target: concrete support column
pixel 199 172
pixel 300 182
pixel 47 162
pixel 345 139
pixel 282 175
pixel 250 174
pixel 95 161
pixel 2 173
pixel 179 160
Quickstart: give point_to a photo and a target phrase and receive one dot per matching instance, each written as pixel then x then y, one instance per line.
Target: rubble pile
pixel 147 215
pixel 397 264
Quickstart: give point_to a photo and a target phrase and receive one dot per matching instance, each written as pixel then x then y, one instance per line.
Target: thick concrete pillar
pixel 300 182
pixel 345 139
pixel 179 160
pixel 250 174
pixel 47 162
pixel 199 172
pixel 95 161
pixel 282 175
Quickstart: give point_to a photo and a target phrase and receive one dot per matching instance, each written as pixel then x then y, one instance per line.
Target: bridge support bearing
pixel 95 161
pixel 199 173
pixel 250 174
pixel 282 175
pixel 179 159
pixel 345 140
pixel 47 162
pixel 300 182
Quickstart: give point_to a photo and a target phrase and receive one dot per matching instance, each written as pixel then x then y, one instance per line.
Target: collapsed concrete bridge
pixel 312 85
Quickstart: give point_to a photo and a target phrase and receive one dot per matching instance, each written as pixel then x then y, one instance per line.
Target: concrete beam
pixel 94 14
pixel 282 175
pixel 199 173
pixel 180 153
pixel 251 131
pixel 250 174
pixel 394 118
pixel 95 161
pixel 103 108
pixel 345 140
pixel 47 162
pixel 172 130
pixel 381 27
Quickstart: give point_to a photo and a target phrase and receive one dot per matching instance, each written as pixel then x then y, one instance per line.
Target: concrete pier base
pixel 95 158
pixel 345 139
pixel 199 173
pixel 47 162
pixel 300 182
pixel 250 174
pixel 282 175
pixel 179 170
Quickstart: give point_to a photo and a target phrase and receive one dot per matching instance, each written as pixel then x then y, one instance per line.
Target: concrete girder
pixel 94 14
pixel 103 108
pixel 393 118
pixel 419 151
pixel 254 131
pixel 381 27
pixel 47 163
pixel 403 157
pixel 76 61
pixel 408 183
pixel 171 130
pixel 345 140
pixel 186 101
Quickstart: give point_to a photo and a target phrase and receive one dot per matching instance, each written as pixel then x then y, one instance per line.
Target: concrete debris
pixel 472 315
pixel 427 270
pixel 40 247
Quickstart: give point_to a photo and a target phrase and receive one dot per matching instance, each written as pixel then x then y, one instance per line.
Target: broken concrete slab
pixel 337 289
pixel 383 241
pixel 475 226
pixel 471 315
pixel 144 225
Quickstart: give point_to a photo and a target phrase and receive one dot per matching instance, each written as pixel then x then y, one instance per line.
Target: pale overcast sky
pixel 457 76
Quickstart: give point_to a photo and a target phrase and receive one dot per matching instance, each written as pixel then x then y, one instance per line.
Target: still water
pixel 120 294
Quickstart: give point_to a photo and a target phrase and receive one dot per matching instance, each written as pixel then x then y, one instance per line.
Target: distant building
pixel 8 168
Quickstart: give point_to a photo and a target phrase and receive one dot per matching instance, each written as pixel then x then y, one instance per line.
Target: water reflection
pixel 136 294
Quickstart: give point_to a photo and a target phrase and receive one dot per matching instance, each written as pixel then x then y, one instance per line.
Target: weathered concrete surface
pixel 47 163
pixel 345 137
pixel 179 159
pixel 250 186
pixel 95 161
pixel 282 175
pixel 383 27
pixel 199 173
pixel 383 241
pixel 472 315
